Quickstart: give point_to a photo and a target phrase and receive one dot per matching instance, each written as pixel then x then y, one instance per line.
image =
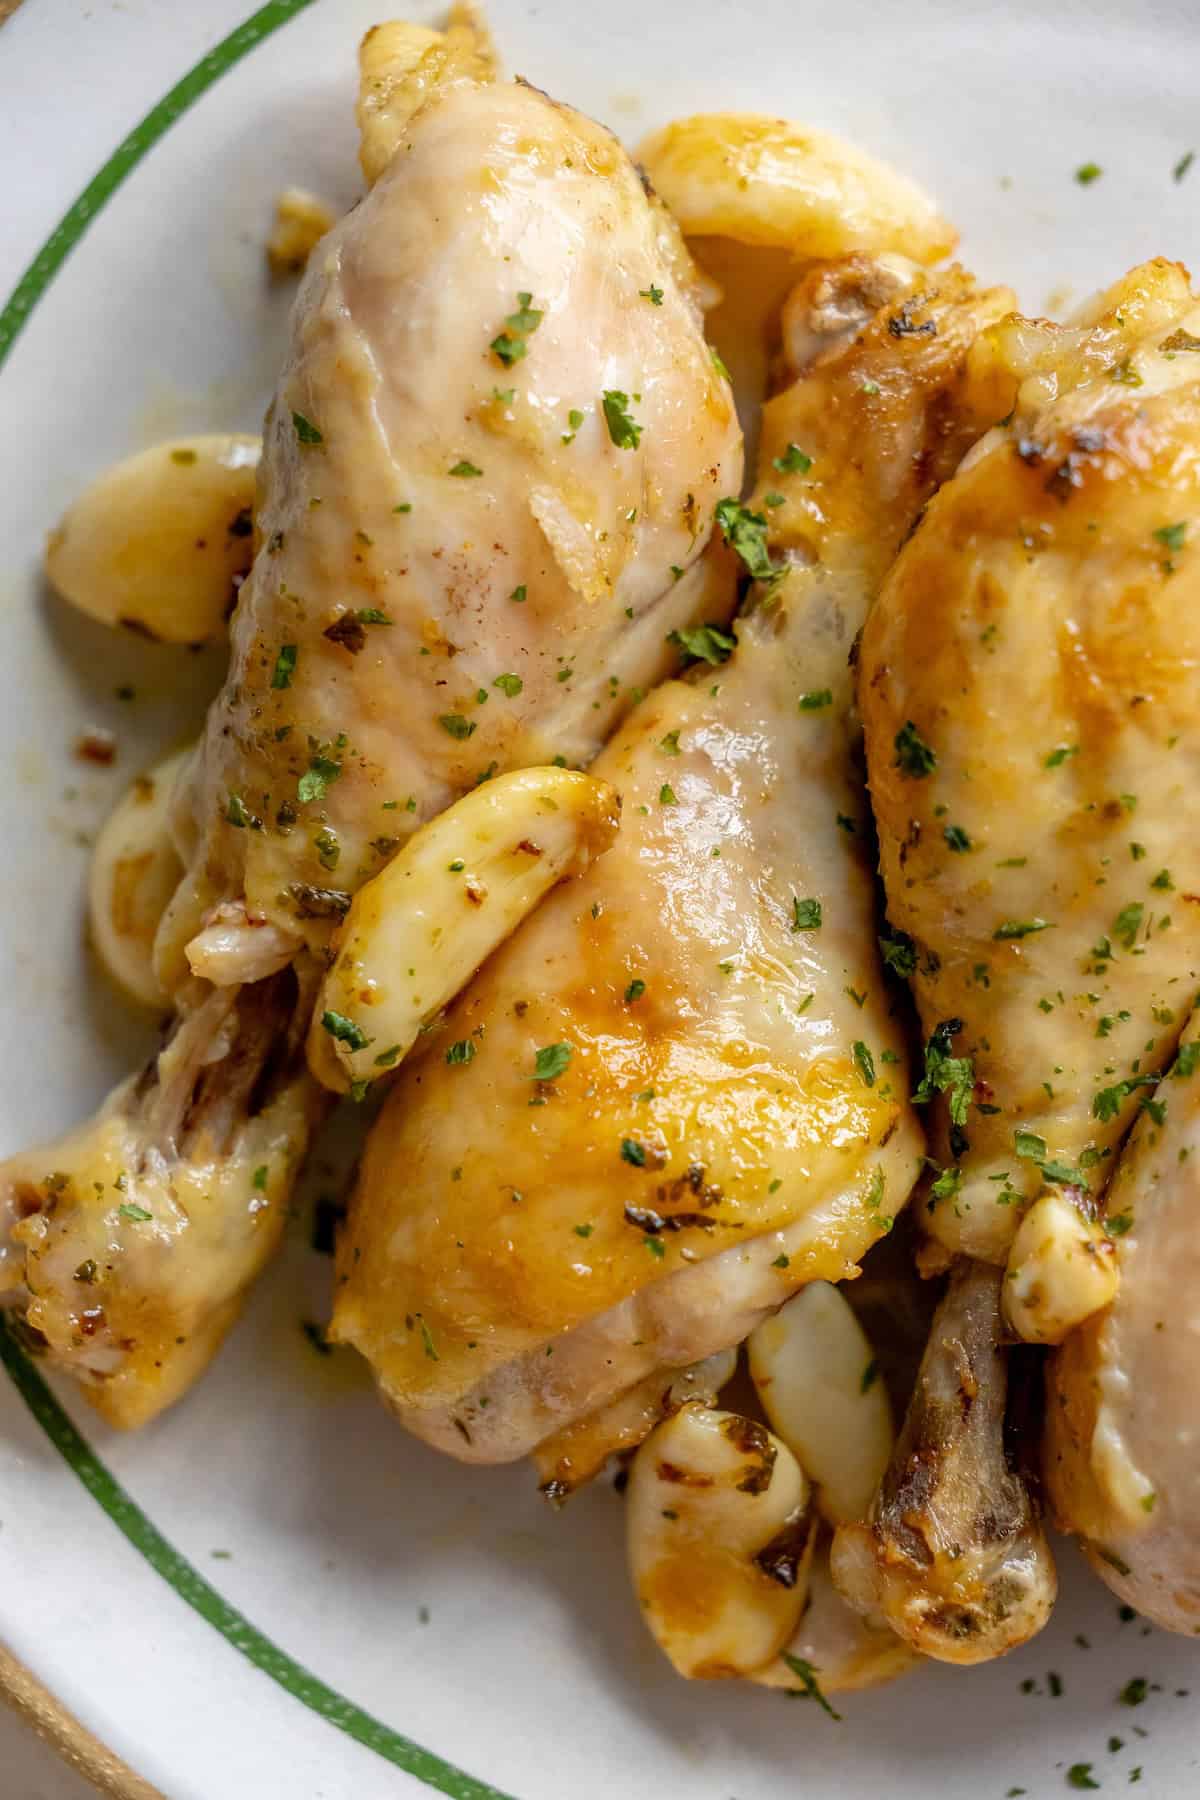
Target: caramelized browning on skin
pixel 1029 689
pixel 455 577
pixel 130 1243
pixel 734 1073
pixel 1122 1394
pixel 954 1557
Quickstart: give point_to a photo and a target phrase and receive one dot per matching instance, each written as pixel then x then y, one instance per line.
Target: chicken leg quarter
pixel 678 1092
pixel 488 477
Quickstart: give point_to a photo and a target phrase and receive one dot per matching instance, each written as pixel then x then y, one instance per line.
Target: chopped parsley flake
pixel 129 1209
pixel 792 462
pixel 704 643
pixel 285 666
pixel 746 533
pixel 1107 1103
pixel 509 684
pixel 463 1051
pixel 945 1073
pixel 456 725
pixel 815 699
pixel 318 778
pixel 463 467
pixel 1088 172
pixel 633 1152
pixel 1172 537
pixel 899 952
pixel 806 914
pixel 653 294
pixel 551 1060
pixel 956 837
pixel 1056 757
pixel 1128 922
pixel 1019 928
pixel 864 1062
pixel 635 990
pixel 344 1030
pixel 306 431
pixel 807 1675
pixel 510 345
pixel 913 755
pixel 624 431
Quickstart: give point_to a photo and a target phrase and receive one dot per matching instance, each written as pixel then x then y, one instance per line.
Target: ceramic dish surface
pixel 273 1591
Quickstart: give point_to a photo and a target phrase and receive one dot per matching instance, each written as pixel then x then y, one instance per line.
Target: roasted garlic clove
pixel 417 931
pixel 1062 1268
pixel 775 184
pixel 133 873
pixel 158 541
pixel 816 1375
pixel 717 1531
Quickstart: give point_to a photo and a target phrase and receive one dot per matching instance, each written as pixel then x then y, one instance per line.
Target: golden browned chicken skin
pixel 1031 701
pixel 678 1092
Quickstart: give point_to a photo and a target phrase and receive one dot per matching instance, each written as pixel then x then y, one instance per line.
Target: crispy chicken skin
pixel 1123 1393
pixel 732 1117
pixel 446 501
pixel 466 564
pixel 1030 698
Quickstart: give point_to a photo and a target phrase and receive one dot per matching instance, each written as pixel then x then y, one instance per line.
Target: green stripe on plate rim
pixel 127 155
pixel 108 1493
pixel 216 1611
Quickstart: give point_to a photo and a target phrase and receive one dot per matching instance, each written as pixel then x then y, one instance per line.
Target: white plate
pixel 448 1621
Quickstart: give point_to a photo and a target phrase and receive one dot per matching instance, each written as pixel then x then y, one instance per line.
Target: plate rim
pixel 20 1687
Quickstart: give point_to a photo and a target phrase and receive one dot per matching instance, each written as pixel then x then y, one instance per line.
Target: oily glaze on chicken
pixel 1031 702
pixel 492 458
pixel 488 474
pixel 678 1092
pixel 1122 1395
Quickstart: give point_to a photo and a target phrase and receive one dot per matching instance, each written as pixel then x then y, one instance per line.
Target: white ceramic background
pixel 531 1669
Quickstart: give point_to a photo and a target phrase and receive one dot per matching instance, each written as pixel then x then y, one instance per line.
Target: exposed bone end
pixel 401 66
pixel 954 1556
pixel 129 1244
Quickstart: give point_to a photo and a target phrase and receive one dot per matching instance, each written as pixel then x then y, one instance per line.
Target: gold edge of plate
pixel 7 9
pixel 50 1719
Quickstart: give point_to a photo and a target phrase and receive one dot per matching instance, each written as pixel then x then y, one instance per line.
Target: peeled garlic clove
pixel 301 221
pixel 156 541
pixel 416 932
pixel 717 1529
pixel 133 873
pixel 1062 1268
pixel 815 1373
pixel 771 183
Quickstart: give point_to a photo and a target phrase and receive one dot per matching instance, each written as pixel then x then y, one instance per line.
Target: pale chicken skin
pixel 1123 1393
pixel 723 1113
pixel 455 576
pixel 1030 690
pixel 477 509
